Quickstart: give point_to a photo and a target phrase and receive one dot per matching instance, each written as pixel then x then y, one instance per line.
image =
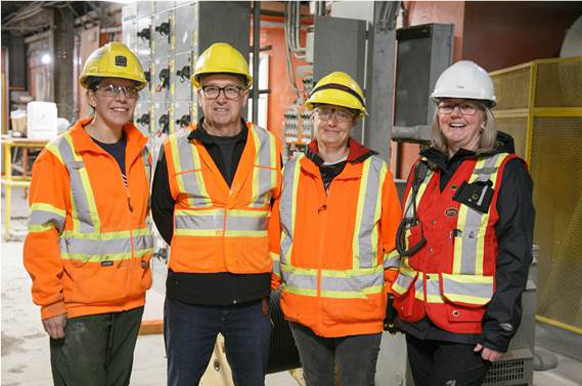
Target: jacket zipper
pixel 320 256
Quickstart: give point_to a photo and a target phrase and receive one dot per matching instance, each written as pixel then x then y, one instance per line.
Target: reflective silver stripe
pixel 276 264
pixel 356 283
pixel 370 206
pixel 214 220
pixel 468 288
pixel 147 164
pixel 41 217
pixel 240 223
pixel 187 152
pixel 264 167
pixel 475 222
pixel 79 196
pixel 100 247
pixel 288 196
pixel 392 260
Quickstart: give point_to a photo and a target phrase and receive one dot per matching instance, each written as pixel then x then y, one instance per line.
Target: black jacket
pixel 220 288
pixel 514 232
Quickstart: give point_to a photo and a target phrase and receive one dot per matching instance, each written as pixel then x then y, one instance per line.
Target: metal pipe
pixel 256 57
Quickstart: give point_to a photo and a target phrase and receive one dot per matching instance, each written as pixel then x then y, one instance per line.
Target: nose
pixel 120 96
pixel 456 111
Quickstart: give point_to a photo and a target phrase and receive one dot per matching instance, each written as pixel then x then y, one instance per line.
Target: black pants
pixel 355 355
pixel 441 363
pixel 97 350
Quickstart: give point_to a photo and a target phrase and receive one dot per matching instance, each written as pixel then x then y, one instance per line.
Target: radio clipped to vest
pixel 408 222
pixel 476 195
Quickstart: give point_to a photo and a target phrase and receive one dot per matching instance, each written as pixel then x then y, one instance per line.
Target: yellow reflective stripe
pixel 173 140
pixel 53 148
pixel 464 211
pixel 468 299
pixel 96 258
pixel 92 206
pixel 359 212
pixel 273 157
pixel 302 292
pixel 48 208
pixel 255 185
pixel 336 294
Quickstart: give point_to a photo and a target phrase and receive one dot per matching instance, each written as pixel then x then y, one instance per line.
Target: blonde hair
pixel 487 139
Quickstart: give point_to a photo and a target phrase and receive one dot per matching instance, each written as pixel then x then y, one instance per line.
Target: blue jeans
pixel 190 333
pixel 355 355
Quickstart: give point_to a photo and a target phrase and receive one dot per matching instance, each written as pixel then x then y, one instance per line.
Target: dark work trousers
pixel 441 363
pixel 355 355
pixel 190 333
pixel 97 350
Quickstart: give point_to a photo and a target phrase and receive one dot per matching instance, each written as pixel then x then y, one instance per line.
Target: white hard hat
pixel 465 80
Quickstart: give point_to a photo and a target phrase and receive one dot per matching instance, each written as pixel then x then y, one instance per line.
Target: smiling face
pixel 461 122
pixel 114 110
pixel 222 112
pixel 333 125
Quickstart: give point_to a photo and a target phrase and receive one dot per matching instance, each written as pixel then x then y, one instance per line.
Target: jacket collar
pixel 357 153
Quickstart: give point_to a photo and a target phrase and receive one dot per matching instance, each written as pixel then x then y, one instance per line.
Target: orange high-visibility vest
pixel 89 244
pixel 451 278
pixel 217 228
pixel 333 265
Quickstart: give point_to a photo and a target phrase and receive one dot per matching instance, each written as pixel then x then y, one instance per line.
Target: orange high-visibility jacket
pixel 333 265
pixel 88 245
pixel 217 228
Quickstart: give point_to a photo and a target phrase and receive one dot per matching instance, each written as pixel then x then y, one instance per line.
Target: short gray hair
pixel 488 135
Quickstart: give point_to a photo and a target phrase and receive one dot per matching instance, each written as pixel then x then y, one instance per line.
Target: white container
pixel 41 120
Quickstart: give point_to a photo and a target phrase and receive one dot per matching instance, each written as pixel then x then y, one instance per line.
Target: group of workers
pixel 327 230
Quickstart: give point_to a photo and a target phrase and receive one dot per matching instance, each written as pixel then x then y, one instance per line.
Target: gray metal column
pixel 64 44
pixel 380 78
pixel 331 38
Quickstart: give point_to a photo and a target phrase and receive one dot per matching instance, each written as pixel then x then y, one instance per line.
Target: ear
pixel 91 98
pixel 245 97
pixel 198 96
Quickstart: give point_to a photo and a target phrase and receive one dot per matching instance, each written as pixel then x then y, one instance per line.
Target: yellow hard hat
pixel 113 60
pixel 221 58
pixel 340 89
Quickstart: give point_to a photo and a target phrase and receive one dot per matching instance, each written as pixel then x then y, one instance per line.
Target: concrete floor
pixel 25 347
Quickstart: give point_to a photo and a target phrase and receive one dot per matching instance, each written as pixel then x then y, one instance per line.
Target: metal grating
pixel 506 372
pixel 555 169
pixel 559 84
pixel 517 128
pixel 511 88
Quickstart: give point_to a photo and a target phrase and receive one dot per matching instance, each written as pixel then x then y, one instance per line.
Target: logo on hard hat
pixel 121 61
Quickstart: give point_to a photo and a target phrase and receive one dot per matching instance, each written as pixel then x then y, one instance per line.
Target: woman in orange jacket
pixel 338 214
pixel 88 246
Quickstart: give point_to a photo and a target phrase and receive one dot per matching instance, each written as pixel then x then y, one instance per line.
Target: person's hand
pixel 487 353
pixel 265 306
pixel 55 326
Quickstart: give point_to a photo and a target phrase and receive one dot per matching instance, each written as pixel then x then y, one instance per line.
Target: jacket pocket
pixel 466 296
pixel 96 282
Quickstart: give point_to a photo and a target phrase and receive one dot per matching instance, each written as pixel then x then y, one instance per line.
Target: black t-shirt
pixel 117 151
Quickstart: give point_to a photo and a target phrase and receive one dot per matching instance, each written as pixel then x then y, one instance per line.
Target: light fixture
pixel 121 1
pixel 46 59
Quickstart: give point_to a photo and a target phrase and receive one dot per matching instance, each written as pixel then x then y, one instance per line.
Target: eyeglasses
pixel 465 108
pixel 341 115
pixel 112 91
pixel 230 92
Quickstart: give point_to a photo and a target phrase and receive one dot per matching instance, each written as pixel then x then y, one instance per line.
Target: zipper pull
pixel 129 204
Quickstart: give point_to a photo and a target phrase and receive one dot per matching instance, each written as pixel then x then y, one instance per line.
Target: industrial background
pixel 533 51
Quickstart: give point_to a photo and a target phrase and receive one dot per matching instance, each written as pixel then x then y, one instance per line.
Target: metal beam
pixel 64 44
pixel 380 78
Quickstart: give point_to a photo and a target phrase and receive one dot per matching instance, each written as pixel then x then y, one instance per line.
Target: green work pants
pixel 97 350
